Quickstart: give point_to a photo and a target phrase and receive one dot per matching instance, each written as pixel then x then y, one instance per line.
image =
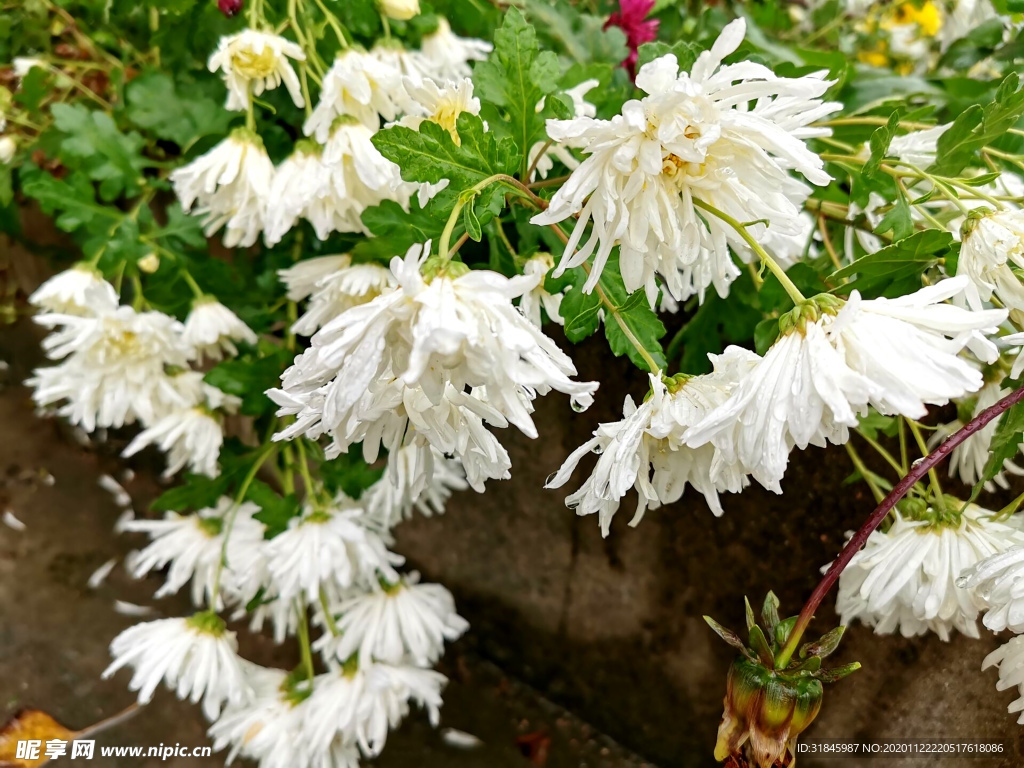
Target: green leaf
pixel 249 377
pixel 824 645
pixel 686 53
pixel 770 612
pixel 1005 443
pixel 72 199
pixel 430 155
pixel 349 474
pixel 879 142
pixel 275 510
pixel 580 311
pixel 195 492
pixel 582 36
pixel 471 222
pixel 729 636
pixel 977 126
pixel 512 82
pixel 903 259
pixel 759 644
pixel 93 143
pixel 836 673
pixel 155 103
pixel 395 230
pixel 636 315
pixel 782 630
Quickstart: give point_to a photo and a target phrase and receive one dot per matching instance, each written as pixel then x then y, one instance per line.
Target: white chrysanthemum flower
pixel 190 437
pixel 230 184
pixel 992 248
pixel 212 329
pixel 80 290
pixel 895 354
pixel 303 279
pixel 416 477
pixel 258 61
pixel 341 286
pixel 969 458
pixel 909 346
pixel 544 153
pixel 646 449
pixel 457 329
pixel 533 300
pixel 392 54
pixel 299 182
pixel 403 10
pixel 440 104
pixel 360 177
pixel 362 703
pixel 361 86
pixel 446 56
pixel 905 579
pixel 192 545
pixel 332 549
pixel 725 135
pixel 998 583
pixel 113 369
pixel 401 620
pixel 1009 659
pixel 269 729
pixel 22 65
pixel 197 657
pixel 801 393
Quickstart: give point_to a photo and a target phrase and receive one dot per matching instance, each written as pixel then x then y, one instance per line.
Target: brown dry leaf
pixel 28 725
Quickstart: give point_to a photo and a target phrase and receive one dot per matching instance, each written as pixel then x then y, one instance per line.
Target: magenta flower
pixel 632 19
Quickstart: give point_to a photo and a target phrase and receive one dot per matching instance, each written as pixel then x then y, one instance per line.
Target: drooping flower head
pixel 726 136
pixel 905 579
pixel 230 183
pixel 258 61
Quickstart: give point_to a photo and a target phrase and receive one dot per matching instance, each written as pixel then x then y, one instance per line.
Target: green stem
pixel 339 30
pixel 517 187
pixel 883 453
pixel 328 616
pixel 267 451
pixel 933 476
pixel 303 635
pixel 865 473
pixel 768 261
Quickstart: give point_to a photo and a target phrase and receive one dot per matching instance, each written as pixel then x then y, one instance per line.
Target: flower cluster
pixel 119 366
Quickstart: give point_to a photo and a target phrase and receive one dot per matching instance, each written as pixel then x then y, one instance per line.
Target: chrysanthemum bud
pixel 403 10
pixel 149 263
pixel 229 7
pixel 7 149
pixel 767 705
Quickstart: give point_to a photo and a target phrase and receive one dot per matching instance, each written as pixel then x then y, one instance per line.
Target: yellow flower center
pixel 254 65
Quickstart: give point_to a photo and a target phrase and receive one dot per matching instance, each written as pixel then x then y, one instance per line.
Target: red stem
pixel 917 471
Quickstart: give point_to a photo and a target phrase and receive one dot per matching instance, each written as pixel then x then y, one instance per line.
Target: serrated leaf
pixel 431 155
pixel 824 645
pixel 275 510
pixel 977 126
pixel 1005 443
pixel 686 53
pixel 249 377
pixel 902 259
pixel 72 200
pixel 195 492
pixel 879 143
pixel 155 103
pixel 770 612
pixel 93 143
pixel 349 474
pixel 637 316
pixel 582 36
pixel 513 80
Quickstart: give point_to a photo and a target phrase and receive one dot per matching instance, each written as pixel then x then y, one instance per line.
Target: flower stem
pixel 917 471
pixel 516 186
pixel 328 617
pixel 768 261
pixel 303 633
